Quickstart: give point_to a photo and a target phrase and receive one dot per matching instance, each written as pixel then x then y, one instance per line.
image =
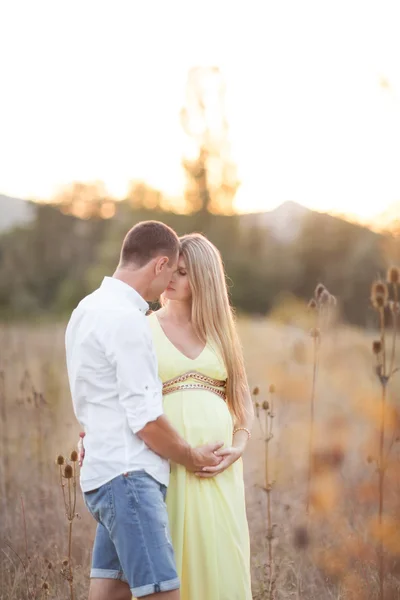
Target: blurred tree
pixel 142 195
pixel 343 256
pixel 37 262
pixel 86 200
pixel 211 172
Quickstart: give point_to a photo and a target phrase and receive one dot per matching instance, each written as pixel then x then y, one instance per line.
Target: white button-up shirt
pixel 112 370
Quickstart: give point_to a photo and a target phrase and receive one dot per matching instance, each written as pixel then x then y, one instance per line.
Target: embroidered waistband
pixel 216 386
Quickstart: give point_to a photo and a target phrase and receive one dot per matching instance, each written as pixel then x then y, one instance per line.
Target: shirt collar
pixel 120 287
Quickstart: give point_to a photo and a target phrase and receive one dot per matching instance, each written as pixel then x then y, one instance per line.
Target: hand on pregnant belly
pixel 229 456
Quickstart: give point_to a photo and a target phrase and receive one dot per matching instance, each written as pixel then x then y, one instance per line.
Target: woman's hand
pixel 229 456
pixel 81 448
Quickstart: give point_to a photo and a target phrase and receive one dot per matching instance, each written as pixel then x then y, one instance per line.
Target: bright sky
pixel 92 90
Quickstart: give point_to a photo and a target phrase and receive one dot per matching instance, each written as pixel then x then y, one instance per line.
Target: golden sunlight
pixel 311 120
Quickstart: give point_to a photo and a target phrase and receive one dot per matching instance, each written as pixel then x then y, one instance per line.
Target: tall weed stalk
pixel 267 408
pixel 68 476
pixel 321 305
pixel 385 369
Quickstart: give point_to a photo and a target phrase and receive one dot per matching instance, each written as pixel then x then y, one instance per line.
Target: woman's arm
pixel 242 429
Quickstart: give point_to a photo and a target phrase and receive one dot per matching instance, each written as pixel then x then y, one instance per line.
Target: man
pixel 117 398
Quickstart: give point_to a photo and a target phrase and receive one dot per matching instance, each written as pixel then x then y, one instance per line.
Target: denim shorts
pixel 132 539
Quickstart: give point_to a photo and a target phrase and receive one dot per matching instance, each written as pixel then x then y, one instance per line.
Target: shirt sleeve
pixel 129 349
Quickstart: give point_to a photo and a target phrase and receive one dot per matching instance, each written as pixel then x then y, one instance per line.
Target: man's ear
pixel 161 264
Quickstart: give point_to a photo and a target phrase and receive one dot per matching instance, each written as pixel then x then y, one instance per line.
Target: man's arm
pixel 140 394
pixel 163 439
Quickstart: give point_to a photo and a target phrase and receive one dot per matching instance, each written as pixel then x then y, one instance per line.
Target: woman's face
pixel 179 287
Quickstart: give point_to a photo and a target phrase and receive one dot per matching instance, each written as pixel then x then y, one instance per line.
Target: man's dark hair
pixel 145 241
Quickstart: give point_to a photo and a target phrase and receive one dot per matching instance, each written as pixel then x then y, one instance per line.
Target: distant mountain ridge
pixel 14 212
pixel 284 222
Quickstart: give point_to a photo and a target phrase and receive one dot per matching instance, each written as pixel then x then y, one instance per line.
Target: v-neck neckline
pixel 175 347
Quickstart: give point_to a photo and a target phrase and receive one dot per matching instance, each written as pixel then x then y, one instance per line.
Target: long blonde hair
pixel 212 315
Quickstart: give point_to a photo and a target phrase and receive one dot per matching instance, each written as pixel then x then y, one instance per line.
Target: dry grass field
pixel 331 553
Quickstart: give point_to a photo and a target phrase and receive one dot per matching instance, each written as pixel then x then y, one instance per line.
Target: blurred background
pixel 273 127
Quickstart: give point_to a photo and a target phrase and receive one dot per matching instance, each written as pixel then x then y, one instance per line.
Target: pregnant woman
pixel 206 397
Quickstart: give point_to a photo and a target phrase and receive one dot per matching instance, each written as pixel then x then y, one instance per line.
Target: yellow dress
pixel 207 516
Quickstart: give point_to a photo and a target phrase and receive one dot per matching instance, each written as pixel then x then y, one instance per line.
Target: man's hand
pixel 227 455
pixel 81 448
pixel 204 456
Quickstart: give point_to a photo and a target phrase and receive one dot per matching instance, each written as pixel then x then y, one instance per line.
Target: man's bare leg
pixel 114 589
pixel 172 595
pixel 109 589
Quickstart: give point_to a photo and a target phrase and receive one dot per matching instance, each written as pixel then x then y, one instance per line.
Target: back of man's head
pixel 146 241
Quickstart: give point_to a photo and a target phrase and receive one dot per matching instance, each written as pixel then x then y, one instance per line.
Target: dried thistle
pixel 319 290
pixel 324 303
pixel 380 298
pixel 268 406
pixel 257 405
pixel 266 426
pixel 380 288
pixel 325 297
pixel 328 459
pixel 312 304
pixel 378 302
pixel 393 275
pixel 301 538
pixel 68 480
pixel 379 294
pixel 60 460
pixel 68 472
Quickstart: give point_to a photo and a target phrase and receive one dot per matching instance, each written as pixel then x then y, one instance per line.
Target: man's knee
pixel 109 589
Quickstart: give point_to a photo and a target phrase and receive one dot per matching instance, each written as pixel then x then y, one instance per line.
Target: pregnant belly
pixel 199 416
